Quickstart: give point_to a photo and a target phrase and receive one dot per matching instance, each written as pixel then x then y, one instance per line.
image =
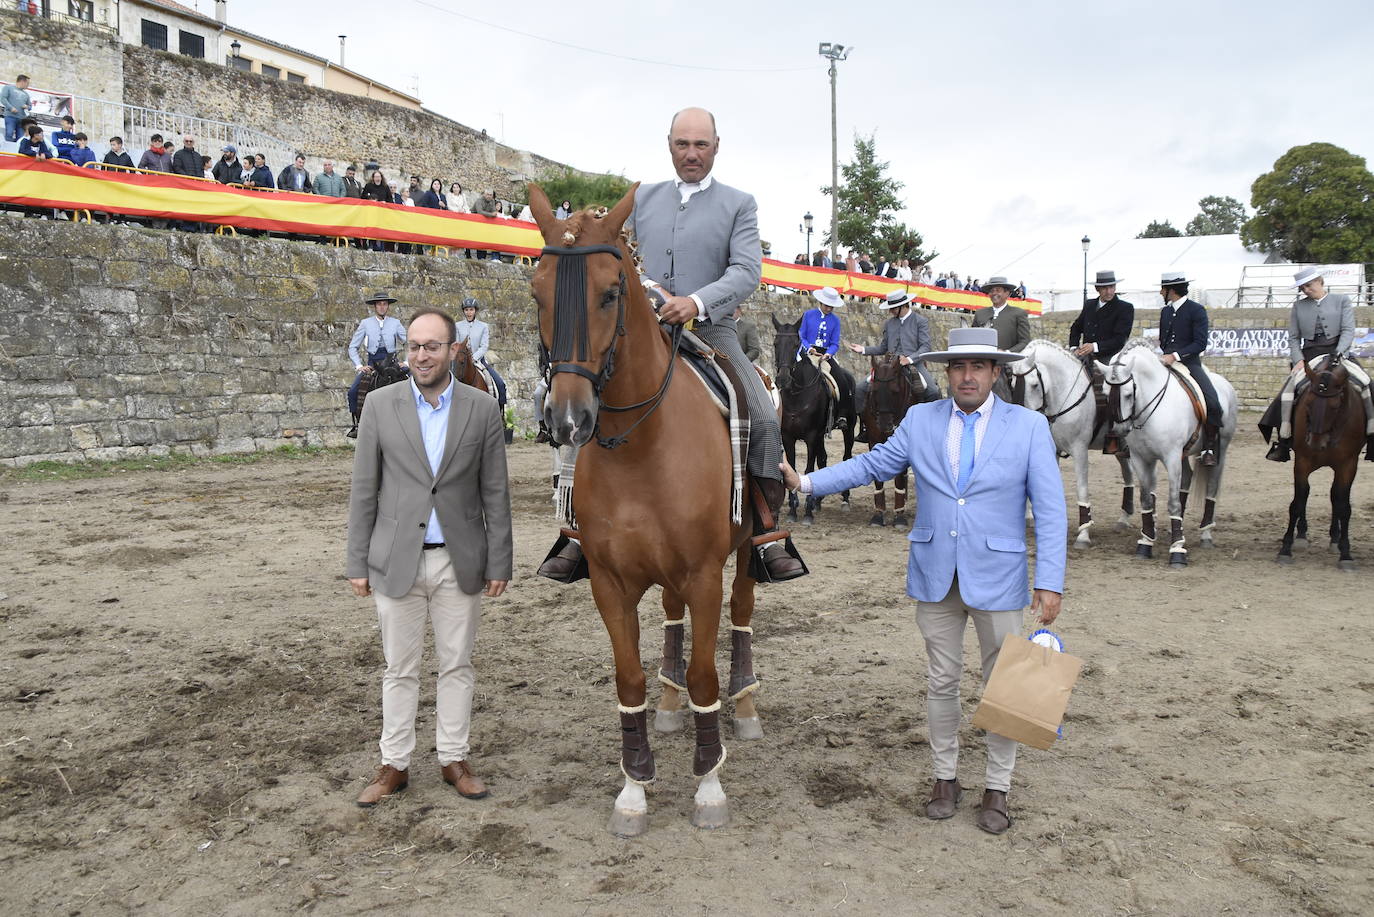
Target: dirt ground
pixel 190 701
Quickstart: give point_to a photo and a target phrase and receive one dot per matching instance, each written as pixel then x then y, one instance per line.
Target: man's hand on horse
pixel 1168 359
pixel 904 361
pixel 362 368
pixel 495 587
pixel 360 586
pixel 854 348
pixel 790 478
pixel 678 310
pixel 1084 350
pixel 1047 604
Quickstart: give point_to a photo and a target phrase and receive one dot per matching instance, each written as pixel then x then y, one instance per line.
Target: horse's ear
pixel 1027 359
pixel 774 319
pixel 1103 368
pixel 621 211
pixel 539 206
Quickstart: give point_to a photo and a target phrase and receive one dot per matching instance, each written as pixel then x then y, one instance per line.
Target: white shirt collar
pixel 984 410
pixel 687 188
pixel 1323 299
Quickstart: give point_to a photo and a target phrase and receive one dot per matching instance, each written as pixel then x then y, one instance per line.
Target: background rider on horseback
pixel 819 336
pixel 376 338
pixel 1321 323
pixel 907 336
pixel 1182 339
pixel 1099 333
pixel 478 336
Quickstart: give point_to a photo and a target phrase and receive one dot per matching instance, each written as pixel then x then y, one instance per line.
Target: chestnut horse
pixel 652 494
pixel 465 368
pixel 1328 432
pixel 891 393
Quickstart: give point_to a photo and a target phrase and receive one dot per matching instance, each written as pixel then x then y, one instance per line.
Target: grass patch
pixel 75 471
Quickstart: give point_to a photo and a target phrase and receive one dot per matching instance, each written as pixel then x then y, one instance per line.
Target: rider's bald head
pixel 695 117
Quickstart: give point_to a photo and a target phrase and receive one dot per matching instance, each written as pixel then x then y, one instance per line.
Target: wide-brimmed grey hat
pixel 1169 277
pixel 380 296
pixel 1000 282
pixel 828 296
pixel 1307 275
pixel 896 299
pixel 971 344
pixel 1106 279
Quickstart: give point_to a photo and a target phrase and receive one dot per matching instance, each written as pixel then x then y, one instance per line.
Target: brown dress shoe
pixel 388 782
pixel 993 817
pixel 461 777
pixel 944 798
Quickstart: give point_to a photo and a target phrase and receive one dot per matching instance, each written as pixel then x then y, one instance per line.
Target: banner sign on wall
pixel 1264 342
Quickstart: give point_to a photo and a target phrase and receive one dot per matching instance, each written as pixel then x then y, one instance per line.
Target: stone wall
pixel 123 341
pixel 60 58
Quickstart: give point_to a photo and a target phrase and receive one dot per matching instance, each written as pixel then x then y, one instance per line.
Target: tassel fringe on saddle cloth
pixel 727 393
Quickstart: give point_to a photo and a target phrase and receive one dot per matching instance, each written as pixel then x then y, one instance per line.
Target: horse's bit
pixel 1114 399
pixel 1044 402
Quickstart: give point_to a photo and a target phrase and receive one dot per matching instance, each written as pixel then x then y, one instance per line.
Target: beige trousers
pixel 943 624
pixel 436 598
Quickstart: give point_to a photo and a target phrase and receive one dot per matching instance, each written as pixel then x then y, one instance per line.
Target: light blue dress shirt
pixel 433 430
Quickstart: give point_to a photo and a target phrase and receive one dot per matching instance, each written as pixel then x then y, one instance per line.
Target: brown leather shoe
pixel 781 565
pixel 944 799
pixel 388 782
pixel 460 776
pixel 562 565
pixel 993 817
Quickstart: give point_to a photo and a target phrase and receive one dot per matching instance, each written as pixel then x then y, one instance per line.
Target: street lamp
pixel 807 225
pixel 234 47
pixel 834 52
pixel 1086 242
pixel 342 39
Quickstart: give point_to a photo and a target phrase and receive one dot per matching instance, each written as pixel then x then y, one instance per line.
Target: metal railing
pixel 1281 296
pixel 44 11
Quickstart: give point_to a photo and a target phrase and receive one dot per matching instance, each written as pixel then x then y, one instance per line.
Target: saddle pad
pixel 830 384
pixel 486 377
pixel 1191 387
pixel 710 373
pixel 1357 374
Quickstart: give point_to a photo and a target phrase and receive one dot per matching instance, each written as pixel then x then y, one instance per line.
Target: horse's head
pixel 462 360
pixel 890 393
pixel 1328 379
pixel 784 349
pixel 1120 379
pixel 582 293
pixel 1024 381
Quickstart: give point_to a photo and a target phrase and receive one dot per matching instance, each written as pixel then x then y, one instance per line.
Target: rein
pixel 1044 402
pixel 570 334
pixel 1114 400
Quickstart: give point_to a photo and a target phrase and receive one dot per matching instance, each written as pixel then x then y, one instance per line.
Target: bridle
pixel 1018 389
pixel 886 399
pixel 1148 409
pixel 570 334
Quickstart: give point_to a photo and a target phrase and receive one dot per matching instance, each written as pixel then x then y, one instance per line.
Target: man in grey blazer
pixel 1012 323
pixel 907 334
pixel 699 241
pixel 429 530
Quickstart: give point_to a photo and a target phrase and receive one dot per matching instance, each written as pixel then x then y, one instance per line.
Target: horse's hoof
pixel 1285 559
pixel 877 519
pixel 711 815
pixel 1122 525
pixel 748 728
pixel 1177 560
pixel 844 504
pixel 1206 542
pixel 1346 566
pixel 1301 543
pixel 1333 548
pixel 808 519
pixel 1083 541
pixel 1144 552
pixel 628 824
pixel 792 515
pixel 899 521
pixel 669 720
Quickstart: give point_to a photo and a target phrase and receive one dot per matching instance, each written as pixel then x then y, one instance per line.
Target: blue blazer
pixel 815 324
pixel 1183 330
pixel 979 534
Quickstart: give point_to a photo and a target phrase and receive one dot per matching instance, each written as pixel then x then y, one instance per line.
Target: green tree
pixel 1217 216
pixel 868 204
pixel 1316 205
pixel 1158 230
pixel 584 190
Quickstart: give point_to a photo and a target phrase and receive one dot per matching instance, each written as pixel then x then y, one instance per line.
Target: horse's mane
pixel 1053 345
pixel 1135 343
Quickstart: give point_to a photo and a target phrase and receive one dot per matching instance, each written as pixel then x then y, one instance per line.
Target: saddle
pixel 727 391
pixel 831 385
pixel 1190 386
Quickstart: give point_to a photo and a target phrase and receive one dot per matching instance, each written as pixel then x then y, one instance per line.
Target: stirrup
pixel 758 569
pixel 1279 451
pixel 565 563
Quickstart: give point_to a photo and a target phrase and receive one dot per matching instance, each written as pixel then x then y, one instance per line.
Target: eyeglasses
pixel 427 347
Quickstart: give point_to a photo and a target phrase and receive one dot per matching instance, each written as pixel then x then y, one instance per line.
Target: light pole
pixel 833 53
pixel 1086 243
pixel 342 39
pixel 808 222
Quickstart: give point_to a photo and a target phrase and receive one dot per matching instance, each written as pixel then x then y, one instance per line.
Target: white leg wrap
pixel 709 790
pixel 1145 540
pixel 744 630
pixel 678 623
pixel 632 799
pixel 623 709
pixel 695 709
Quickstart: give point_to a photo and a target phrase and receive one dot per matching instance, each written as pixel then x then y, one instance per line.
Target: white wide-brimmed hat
pixel 971 344
pixel 896 299
pixel 828 296
pixel 1307 275
pixel 1169 277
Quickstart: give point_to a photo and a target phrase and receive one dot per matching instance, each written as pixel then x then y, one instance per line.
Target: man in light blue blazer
pixel 976 460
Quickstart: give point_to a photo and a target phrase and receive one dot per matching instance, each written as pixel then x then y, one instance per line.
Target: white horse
pixel 1151 407
pixel 1051 380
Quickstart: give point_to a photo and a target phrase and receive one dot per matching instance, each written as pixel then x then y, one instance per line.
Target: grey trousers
pixel 943 624
pixel 765 440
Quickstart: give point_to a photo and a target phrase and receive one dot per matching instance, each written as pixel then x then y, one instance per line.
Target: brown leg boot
pixel 673 670
pixel 769 539
pixel 388 782
pixel 636 757
pixel 709 750
pixel 742 680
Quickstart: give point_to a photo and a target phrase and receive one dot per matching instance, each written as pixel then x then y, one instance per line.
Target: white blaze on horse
pixel 1051 380
pixel 1159 413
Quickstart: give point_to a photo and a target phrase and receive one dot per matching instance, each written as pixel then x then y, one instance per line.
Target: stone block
pixel 17 441
pixel 51 276
pixel 260 403
pixel 83 410
pixel 169 278
pixel 149 407
pixel 183 429
pixel 128 274
pixel 137 432
pixel 232 446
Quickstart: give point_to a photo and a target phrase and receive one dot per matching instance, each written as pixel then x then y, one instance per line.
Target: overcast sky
pixel 1005 120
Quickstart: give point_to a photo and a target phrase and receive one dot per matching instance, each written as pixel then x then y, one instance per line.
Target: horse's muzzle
pixel 571 421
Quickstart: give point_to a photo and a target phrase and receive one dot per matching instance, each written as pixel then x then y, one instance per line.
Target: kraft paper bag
pixel 1028 692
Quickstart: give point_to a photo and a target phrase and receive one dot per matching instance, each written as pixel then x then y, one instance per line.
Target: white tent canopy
pixel 1053 270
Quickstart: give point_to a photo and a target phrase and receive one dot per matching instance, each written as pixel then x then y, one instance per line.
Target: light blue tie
pixel 966 448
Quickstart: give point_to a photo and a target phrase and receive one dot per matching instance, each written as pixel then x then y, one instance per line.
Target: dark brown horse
pixel 892 391
pixel 1328 432
pixel 465 368
pixel 808 412
pixel 652 494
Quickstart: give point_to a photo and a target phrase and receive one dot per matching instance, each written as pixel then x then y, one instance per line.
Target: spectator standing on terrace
pixel 15 104
pixel 81 155
pixel 328 183
pixel 156 158
pixel 116 155
pixel 229 169
pixel 821 259
pixel 64 141
pixel 377 189
pixel 352 187
pixel 205 169
pixel 34 146
pixel 186 161
pixel 260 176
pixel 903 269
pixel 486 206
pixel 434 198
pixel 564 210
pixel 457 200
pixel 294 177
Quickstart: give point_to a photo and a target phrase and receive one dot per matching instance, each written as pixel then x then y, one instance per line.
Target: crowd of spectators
pixel 856 262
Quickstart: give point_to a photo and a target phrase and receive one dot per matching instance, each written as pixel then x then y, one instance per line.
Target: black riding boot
pixel 353 430
pixel 1211 435
pixel 1369 448
pixel 1281 451
pixel 564 563
pixel 769 540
